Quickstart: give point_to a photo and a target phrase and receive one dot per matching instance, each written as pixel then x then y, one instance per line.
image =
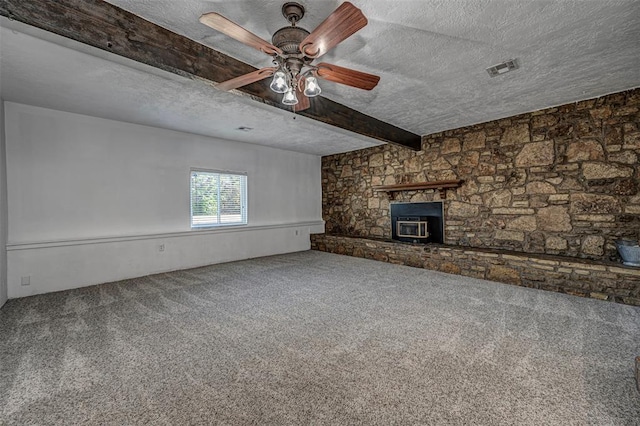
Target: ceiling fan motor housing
pixel 288 39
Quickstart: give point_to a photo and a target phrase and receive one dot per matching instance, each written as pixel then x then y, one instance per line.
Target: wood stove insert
pixel 417 222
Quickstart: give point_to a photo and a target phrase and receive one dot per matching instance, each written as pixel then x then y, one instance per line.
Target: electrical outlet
pixel 25 280
pixel 161 247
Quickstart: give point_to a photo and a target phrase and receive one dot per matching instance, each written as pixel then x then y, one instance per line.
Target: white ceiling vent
pixel 503 67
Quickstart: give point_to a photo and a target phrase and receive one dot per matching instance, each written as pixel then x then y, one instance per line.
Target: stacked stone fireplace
pixel 545 196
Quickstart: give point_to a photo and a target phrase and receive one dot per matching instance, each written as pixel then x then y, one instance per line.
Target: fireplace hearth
pixel 417 222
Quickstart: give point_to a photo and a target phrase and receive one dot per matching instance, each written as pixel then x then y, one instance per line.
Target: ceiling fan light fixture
pixel 311 87
pixel 290 97
pixel 279 82
pixel 293 49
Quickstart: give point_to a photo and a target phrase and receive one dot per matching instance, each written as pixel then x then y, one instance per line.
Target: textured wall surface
pixel 559 181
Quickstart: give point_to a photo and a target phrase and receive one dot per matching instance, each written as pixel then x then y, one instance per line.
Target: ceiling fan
pixel 294 49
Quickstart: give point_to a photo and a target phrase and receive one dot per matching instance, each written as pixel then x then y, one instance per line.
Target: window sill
pixel 226 225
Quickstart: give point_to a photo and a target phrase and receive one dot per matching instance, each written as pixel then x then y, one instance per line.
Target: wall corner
pixel 3 209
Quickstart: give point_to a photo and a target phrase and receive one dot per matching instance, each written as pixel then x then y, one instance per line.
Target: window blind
pixel 218 199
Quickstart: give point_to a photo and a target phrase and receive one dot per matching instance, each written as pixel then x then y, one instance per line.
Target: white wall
pixel 3 210
pixel 90 200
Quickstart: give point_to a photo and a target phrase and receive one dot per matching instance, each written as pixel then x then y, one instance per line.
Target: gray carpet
pixel 316 338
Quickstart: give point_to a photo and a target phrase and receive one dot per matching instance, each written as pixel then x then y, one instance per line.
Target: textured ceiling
pixel 65 77
pixel 431 56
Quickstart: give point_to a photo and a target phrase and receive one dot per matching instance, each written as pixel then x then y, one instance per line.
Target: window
pixel 218 199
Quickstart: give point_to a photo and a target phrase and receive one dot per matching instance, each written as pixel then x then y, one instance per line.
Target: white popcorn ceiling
pixel 431 56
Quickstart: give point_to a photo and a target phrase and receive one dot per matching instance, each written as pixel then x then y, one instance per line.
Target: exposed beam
pixel 108 27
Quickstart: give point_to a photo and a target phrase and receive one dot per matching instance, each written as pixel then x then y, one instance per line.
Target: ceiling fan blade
pixel 353 78
pixel 245 79
pixel 303 101
pixel 233 30
pixel 342 23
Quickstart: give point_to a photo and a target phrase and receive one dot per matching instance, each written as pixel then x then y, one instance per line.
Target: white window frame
pixel 244 218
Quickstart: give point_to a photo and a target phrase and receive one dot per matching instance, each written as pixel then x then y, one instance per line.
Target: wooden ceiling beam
pixel 108 27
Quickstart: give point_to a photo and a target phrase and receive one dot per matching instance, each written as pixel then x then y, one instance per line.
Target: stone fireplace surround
pixel 545 196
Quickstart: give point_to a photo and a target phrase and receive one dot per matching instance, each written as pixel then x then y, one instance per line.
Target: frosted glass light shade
pixel 311 87
pixel 290 97
pixel 279 82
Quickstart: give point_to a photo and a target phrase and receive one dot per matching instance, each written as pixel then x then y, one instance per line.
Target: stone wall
pixel 561 181
pixel 603 280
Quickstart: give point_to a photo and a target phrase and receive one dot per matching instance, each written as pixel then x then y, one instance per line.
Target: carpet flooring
pixel 316 338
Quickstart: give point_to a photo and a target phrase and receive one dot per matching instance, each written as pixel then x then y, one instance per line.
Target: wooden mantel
pixel 440 185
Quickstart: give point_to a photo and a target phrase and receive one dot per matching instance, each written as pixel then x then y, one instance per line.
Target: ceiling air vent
pixel 503 67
